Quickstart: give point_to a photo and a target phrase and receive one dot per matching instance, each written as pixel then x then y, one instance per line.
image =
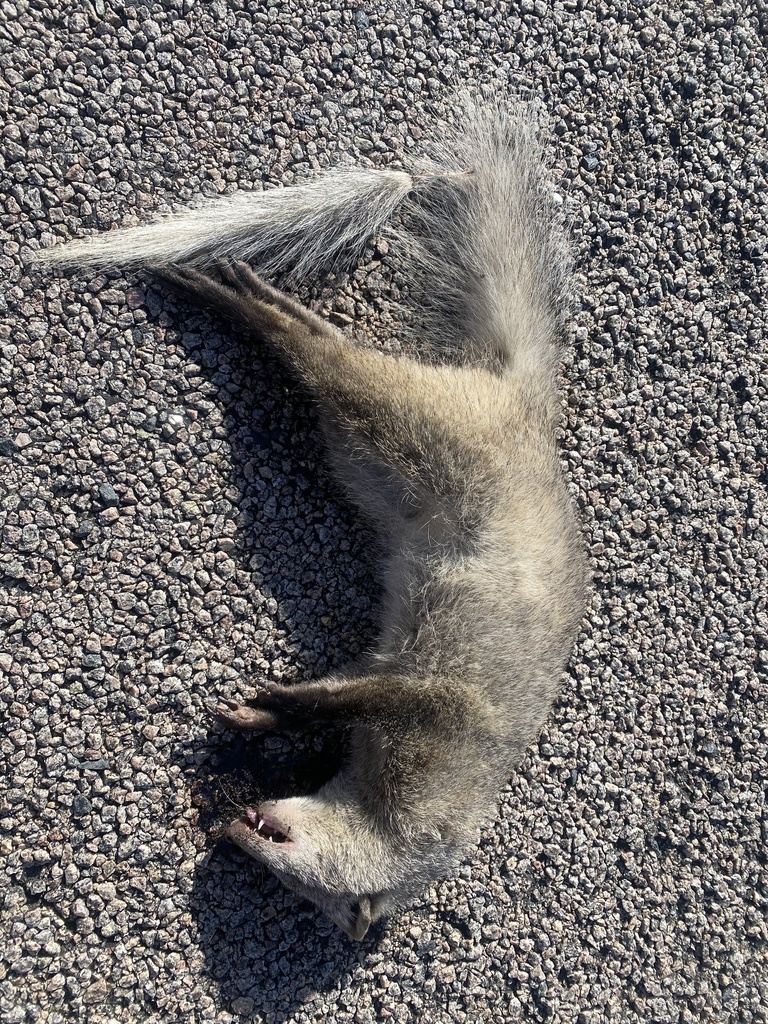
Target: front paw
pixel 239 716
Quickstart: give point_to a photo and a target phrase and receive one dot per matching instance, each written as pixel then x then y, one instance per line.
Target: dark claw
pixel 236 293
pixel 230 298
pixel 182 278
pixel 242 278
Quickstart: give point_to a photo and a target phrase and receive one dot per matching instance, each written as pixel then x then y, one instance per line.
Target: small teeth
pixel 263 828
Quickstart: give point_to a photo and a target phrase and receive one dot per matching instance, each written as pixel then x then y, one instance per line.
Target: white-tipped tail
pixel 299 228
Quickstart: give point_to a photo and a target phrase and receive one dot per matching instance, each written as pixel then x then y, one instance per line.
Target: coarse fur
pixel 456 464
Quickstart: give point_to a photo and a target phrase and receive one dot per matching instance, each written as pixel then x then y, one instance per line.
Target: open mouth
pixel 264 827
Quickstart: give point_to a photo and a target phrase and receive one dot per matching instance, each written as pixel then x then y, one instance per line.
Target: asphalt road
pixel 169 531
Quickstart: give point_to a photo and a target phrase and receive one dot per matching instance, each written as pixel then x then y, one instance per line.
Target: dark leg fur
pixel 376 698
pixel 240 277
pixel 308 704
pixel 227 299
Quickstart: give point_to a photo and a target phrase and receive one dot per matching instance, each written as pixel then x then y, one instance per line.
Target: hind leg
pixel 408 429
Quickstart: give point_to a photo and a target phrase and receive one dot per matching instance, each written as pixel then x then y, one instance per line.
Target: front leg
pixel 297 707
pixel 340 376
pixel 389 701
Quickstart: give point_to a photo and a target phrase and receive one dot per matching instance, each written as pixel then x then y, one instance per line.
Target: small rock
pixel 108 496
pixel 81 806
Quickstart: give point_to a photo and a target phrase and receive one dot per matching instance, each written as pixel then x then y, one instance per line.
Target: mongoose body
pixel 453 460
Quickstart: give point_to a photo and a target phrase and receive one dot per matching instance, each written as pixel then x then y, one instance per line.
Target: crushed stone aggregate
pixel 169 533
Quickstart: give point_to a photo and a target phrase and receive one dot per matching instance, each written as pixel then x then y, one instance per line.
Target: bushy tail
pixel 282 228
pixel 480 233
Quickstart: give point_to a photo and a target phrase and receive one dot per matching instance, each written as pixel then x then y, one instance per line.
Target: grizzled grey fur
pixel 453 460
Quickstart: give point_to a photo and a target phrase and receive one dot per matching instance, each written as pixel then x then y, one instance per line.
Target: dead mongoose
pixel 453 459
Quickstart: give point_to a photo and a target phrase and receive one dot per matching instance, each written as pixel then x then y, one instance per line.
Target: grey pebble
pixel 81 806
pixel 108 496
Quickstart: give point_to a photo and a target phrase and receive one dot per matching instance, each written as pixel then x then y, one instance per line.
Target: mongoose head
pixel 355 868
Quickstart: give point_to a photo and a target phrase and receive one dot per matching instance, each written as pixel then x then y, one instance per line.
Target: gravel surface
pixel 169 532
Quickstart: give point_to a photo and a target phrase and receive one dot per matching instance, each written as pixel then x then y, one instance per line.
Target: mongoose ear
pixel 359 920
